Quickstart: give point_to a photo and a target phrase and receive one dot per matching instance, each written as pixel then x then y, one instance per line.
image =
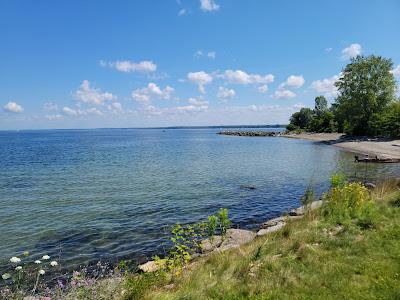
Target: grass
pixel 309 259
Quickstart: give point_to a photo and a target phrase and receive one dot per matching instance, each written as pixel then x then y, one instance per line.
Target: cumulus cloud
pixel 208 5
pixel 241 77
pixel 212 54
pixel 326 86
pixel 283 94
pixel 87 94
pixel 75 112
pixel 328 49
pixel 127 66
pixel 224 94
pixel 201 79
pixel 263 89
pixel 293 81
pixel 152 90
pixel 351 51
pixel 396 71
pixel 299 105
pixel 115 107
pixel 13 107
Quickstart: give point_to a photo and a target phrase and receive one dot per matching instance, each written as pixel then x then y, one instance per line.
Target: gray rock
pixel 235 238
pixel 272 228
pixel 301 210
pixel 369 185
pixel 209 245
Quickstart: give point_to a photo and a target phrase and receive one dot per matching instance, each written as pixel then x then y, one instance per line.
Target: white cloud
pixel 224 94
pixel 328 49
pixel 115 107
pixel 263 89
pixel 298 105
pixel 152 90
pixel 198 101
pixel 75 112
pixel 54 117
pixel 283 94
pixel 326 86
pixel 352 51
pixel 200 78
pixel 208 5
pixel 190 108
pixel 50 106
pixel 13 107
pixel 241 77
pixel 127 66
pixel 293 81
pixel 69 111
pixel 396 71
pixel 90 95
pixel 212 54
pixel 182 12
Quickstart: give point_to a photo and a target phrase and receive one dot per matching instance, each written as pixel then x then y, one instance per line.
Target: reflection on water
pixel 107 194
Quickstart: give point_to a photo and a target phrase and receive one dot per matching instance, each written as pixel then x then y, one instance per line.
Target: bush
pixel 348 203
pixel 338 180
pixel 308 197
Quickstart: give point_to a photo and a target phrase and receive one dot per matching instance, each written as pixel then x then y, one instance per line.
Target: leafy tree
pixel 321 105
pixel 366 88
pixel 301 119
pixel 387 123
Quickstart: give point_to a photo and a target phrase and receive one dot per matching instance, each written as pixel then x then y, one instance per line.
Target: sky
pixel 149 63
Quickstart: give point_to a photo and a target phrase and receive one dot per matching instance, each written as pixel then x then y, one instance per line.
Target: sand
pixel 383 148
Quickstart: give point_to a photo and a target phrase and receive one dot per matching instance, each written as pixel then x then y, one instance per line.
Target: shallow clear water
pixel 110 193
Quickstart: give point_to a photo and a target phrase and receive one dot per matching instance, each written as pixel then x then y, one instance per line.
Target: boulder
pixel 270 229
pixel 301 210
pixel 150 266
pixel 235 238
pixel 210 244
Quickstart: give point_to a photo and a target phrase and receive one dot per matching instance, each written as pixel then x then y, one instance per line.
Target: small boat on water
pixel 376 159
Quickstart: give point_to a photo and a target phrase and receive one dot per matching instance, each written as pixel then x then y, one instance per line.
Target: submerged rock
pixel 247 187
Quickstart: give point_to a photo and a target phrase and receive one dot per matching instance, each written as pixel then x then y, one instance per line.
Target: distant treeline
pixel 366 103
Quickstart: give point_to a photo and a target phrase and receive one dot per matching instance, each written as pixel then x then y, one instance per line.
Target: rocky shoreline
pixel 251 133
pixel 236 237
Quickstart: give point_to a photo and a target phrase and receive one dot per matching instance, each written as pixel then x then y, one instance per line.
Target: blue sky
pixel 88 64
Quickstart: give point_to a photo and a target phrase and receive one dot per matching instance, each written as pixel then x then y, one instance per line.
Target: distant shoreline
pixel 383 148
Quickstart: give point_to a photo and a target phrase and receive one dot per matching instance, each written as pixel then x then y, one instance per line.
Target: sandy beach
pixel 383 148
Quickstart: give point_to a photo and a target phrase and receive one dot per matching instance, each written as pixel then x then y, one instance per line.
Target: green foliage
pixel 366 87
pixel 212 225
pixel 136 285
pixel 321 105
pixel 224 222
pixel 301 119
pixel 387 123
pixel 338 180
pixel 348 203
pixel 308 197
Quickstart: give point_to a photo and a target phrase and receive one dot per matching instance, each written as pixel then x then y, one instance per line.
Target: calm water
pixel 109 194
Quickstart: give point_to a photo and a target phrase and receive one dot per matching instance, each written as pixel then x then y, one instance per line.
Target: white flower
pixel 46 257
pixel 18 268
pixel 38 262
pixel 15 259
pixel 54 263
pixel 41 272
pixel 6 276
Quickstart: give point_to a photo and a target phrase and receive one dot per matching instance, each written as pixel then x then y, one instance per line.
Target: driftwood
pixel 376 159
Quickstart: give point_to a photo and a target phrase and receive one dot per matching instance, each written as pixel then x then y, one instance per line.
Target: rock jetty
pixel 250 133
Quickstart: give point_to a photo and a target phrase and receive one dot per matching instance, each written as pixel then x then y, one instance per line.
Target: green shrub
pixel 308 197
pixel 224 222
pixel 349 203
pixel 212 225
pixel 338 180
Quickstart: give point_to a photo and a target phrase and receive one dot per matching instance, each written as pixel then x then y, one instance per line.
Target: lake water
pixel 109 194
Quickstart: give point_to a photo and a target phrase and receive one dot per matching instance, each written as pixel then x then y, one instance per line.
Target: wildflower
pixel 38 262
pixel 54 263
pixel 15 259
pixel 6 276
pixel 46 257
pixel 42 272
pixel 18 268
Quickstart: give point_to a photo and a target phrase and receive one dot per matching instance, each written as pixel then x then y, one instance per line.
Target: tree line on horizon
pixel 366 103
